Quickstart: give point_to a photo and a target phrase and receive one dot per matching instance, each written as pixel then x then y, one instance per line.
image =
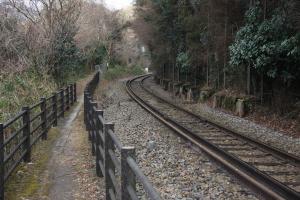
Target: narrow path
pixel 60 166
pixel 70 172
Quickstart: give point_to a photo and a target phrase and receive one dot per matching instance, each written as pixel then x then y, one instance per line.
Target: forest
pixel 245 47
pixel 149 99
pixel 45 45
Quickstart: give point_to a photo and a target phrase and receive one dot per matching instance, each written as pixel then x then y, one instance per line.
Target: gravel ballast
pixel 176 169
pixel 246 127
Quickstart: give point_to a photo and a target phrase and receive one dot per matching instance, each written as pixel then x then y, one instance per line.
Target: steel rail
pixel 264 184
pixel 273 150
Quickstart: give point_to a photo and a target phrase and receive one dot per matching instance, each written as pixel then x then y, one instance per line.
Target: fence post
pixel 88 117
pixel 99 143
pixel 44 118
pixel 108 144
pixel 127 176
pixel 93 127
pixel 62 96
pixel 68 97
pixel 71 94
pixel 26 134
pixel 75 92
pixel 98 77
pixel 85 108
pixel 54 101
pixel 2 172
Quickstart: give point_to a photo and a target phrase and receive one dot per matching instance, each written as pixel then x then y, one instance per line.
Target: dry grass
pixel 17 90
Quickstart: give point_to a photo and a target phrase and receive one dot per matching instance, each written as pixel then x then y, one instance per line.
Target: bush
pixel 269 46
pixel 119 71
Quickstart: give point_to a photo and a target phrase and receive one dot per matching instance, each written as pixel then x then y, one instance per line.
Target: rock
pixel 175 170
pixel 151 145
pixel 198 196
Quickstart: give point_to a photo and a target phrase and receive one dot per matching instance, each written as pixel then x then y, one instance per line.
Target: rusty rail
pixel 261 182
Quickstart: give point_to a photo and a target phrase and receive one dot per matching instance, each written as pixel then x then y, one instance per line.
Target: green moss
pixel 26 179
pixel 249 106
pixel 229 102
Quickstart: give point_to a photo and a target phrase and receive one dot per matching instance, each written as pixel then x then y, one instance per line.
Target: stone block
pixel 189 96
pixel 215 101
pixel 240 107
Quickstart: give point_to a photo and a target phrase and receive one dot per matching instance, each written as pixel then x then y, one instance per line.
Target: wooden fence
pixel 114 161
pixel 19 134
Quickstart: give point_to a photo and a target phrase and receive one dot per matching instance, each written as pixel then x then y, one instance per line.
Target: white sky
pixel 117 4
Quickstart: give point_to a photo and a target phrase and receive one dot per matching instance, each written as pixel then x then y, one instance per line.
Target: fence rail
pixel 114 161
pixel 19 134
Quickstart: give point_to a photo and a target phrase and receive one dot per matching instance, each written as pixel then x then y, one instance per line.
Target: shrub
pixel 119 71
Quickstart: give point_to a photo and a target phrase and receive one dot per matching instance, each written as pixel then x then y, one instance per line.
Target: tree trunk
pixel 261 88
pixel 208 28
pixel 265 9
pixel 225 47
pixel 178 74
pixel 261 73
pixel 173 69
pixel 248 79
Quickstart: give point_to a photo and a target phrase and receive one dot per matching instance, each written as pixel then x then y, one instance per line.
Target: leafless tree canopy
pixel 49 34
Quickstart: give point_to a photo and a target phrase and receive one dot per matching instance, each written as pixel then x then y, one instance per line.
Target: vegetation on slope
pixel 118 71
pixel 20 89
pixel 44 48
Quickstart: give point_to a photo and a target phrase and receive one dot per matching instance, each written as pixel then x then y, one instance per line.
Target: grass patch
pixel 25 182
pixel 21 89
pixel 118 71
pixel 26 88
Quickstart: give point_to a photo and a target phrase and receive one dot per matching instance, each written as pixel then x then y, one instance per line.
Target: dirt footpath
pixel 70 172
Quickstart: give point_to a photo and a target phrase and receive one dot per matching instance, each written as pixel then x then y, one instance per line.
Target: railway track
pixel 271 172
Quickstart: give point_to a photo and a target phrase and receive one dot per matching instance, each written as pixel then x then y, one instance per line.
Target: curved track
pixel 272 173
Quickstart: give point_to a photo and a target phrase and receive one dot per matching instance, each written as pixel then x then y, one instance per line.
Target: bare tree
pixel 52 23
pixel 12 41
pixel 99 26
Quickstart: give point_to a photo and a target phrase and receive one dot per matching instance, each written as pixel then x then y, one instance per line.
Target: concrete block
pixel 240 107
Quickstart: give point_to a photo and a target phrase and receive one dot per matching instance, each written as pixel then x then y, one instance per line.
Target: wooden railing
pixel 114 161
pixel 19 134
